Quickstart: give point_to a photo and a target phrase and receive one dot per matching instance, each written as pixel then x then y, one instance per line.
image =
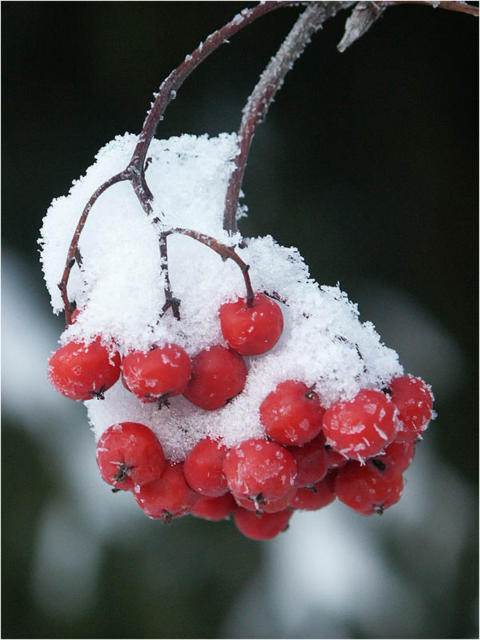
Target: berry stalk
pixel 271 80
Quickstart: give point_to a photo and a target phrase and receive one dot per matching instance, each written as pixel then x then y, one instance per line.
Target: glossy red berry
pixel 316 497
pixel 251 330
pixel 167 497
pixel 362 427
pixel 261 526
pixel 395 458
pixel 129 454
pixel 414 401
pixel 366 489
pixel 214 508
pixel 292 413
pixel 83 371
pixel 266 505
pixel 157 374
pixel 257 467
pixel 218 375
pixel 203 468
pixel 311 460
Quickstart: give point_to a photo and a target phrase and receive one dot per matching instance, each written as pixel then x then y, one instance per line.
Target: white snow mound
pixel 120 291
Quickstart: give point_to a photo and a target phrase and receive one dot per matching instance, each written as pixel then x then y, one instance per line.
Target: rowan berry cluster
pixel 355 450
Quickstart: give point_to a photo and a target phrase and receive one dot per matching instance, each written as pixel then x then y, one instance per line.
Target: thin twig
pixel 224 251
pixel 271 80
pixel 73 251
pixel 171 84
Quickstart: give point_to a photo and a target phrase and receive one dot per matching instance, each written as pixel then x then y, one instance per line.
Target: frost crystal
pixel 121 294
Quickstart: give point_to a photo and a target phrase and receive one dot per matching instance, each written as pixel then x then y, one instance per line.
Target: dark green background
pixel 367 162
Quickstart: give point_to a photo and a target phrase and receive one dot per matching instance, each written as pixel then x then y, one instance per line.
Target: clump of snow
pixel 120 290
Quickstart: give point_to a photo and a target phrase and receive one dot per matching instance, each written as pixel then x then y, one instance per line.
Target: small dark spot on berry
pixel 381 466
pixel 387 391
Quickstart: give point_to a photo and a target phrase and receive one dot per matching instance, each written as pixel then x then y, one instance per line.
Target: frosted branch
pixel 271 80
pixel 224 251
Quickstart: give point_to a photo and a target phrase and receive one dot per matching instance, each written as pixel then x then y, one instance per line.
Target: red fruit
pixel 214 508
pixel 257 468
pixel 129 454
pixel 203 468
pixel 362 427
pixel 218 375
pixel 335 460
pixel 167 497
pixel 396 457
pixel 83 371
pixel 261 526
pixel 251 330
pixel 310 499
pixel 414 401
pixel 311 460
pixel 292 414
pixel 366 489
pixel 156 374
pixel 266 505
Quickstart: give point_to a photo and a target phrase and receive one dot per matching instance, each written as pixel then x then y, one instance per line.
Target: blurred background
pixel 368 163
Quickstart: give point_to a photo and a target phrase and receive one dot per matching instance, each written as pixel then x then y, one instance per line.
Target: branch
pixel 73 254
pixel 223 251
pixel 171 84
pixel 271 80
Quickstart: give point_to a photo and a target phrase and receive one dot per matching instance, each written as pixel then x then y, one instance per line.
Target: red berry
pixel 360 428
pixel 396 457
pixel 251 330
pixel 266 505
pixel 156 374
pixel 214 508
pixel 167 497
pixel 366 489
pixel 261 526
pixel 311 460
pixel 203 468
pixel 414 401
pixel 335 460
pixel 257 467
pixel 81 371
pixel 129 454
pixel 218 375
pixel 310 499
pixel 292 414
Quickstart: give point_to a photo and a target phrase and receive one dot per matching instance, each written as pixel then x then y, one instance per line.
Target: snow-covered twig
pixel 271 80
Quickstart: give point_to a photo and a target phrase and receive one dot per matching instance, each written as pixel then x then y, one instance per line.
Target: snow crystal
pixel 120 291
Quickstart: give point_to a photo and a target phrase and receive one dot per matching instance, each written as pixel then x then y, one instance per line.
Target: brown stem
pixel 262 96
pixel 223 251
pixel 171 84
pixel 73 251
pixel 170 300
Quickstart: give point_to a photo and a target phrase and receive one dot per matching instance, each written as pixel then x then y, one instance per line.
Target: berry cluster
pixel 355 450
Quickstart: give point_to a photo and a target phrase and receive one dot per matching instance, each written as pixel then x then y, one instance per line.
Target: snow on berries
pixel 223 396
